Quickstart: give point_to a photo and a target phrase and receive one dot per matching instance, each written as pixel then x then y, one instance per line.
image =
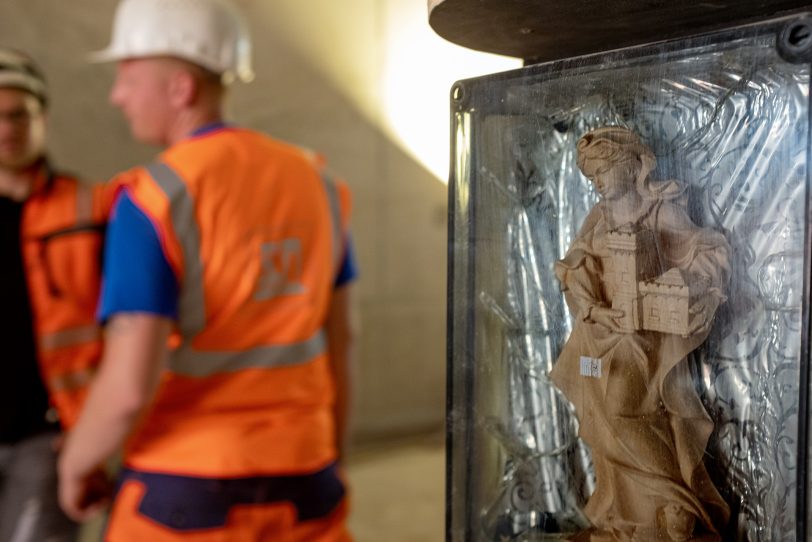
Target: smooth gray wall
pixel 399 226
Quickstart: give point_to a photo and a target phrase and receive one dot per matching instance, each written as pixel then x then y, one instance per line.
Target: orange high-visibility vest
pixel 255 234
pixel 62 230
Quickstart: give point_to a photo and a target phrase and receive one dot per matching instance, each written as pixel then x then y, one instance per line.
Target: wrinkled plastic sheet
pixel 730 120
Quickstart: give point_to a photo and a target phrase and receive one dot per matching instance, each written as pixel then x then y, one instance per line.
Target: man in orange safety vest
pixel 233 249
pixel 50 245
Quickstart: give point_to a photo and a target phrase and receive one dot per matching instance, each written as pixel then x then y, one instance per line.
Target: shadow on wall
pixel 399 220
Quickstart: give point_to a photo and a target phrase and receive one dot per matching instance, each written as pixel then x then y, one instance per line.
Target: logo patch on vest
pixel 281 270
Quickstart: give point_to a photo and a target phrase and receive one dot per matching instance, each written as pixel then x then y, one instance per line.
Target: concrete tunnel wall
pixel 319 71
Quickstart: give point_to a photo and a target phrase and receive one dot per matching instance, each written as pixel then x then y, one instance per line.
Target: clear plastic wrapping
pixel 728 121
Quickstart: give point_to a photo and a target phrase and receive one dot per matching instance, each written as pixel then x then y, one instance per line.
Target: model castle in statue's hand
pixel 650 299
pixel 643 283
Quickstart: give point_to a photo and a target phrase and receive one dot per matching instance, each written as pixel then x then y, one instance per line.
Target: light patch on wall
pixel 419 68
pixel 385 58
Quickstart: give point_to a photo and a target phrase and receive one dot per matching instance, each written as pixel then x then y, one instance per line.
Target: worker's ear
pixel 183 88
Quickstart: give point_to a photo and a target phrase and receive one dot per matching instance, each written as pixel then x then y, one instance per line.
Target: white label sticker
pixel 590 367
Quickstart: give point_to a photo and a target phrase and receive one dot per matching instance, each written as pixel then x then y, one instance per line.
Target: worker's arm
pixel 340 329
pixel 134 355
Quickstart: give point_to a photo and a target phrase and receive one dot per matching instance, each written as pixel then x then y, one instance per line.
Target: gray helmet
pixel 18 70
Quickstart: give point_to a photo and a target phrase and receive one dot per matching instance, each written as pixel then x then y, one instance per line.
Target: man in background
pixel 51 228
pixel 233 249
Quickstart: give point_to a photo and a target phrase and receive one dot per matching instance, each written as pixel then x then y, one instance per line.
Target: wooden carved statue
pixel 643 283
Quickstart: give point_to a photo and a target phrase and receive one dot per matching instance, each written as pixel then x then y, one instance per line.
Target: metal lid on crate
pixel 541 30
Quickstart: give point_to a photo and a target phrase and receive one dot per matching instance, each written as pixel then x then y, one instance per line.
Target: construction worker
pixel 232 248
pixel 51 241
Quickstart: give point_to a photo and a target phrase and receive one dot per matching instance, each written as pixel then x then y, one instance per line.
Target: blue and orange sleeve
pixel 137 276
pixel 348 271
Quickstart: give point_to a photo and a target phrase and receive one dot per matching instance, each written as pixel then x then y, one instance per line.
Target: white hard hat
pixel 209 33
pixel 18 70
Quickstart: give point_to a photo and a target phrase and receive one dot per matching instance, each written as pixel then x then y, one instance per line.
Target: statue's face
pixel 612 180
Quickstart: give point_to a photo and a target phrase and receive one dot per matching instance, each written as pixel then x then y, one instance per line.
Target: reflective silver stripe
pixel 188 362
pixel 31 515
pixel 84 202
pixel 71 381
pixel 192 306
pixel 335 213
pixel 69 337
pixel 196 363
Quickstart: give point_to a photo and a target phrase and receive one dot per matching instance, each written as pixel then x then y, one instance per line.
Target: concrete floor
pixel 397 491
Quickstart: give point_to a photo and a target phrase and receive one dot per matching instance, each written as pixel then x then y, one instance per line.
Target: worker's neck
pixel 188 121
pixel 17 183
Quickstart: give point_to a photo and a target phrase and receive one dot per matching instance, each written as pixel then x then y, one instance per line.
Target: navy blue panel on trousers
pixel 186 503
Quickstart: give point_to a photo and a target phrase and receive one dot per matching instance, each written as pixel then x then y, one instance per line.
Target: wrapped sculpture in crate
pixel 642 282
pixel 628 295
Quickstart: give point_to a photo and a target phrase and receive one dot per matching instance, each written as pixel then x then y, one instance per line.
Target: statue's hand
pixel 702 313
pixel 605 316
